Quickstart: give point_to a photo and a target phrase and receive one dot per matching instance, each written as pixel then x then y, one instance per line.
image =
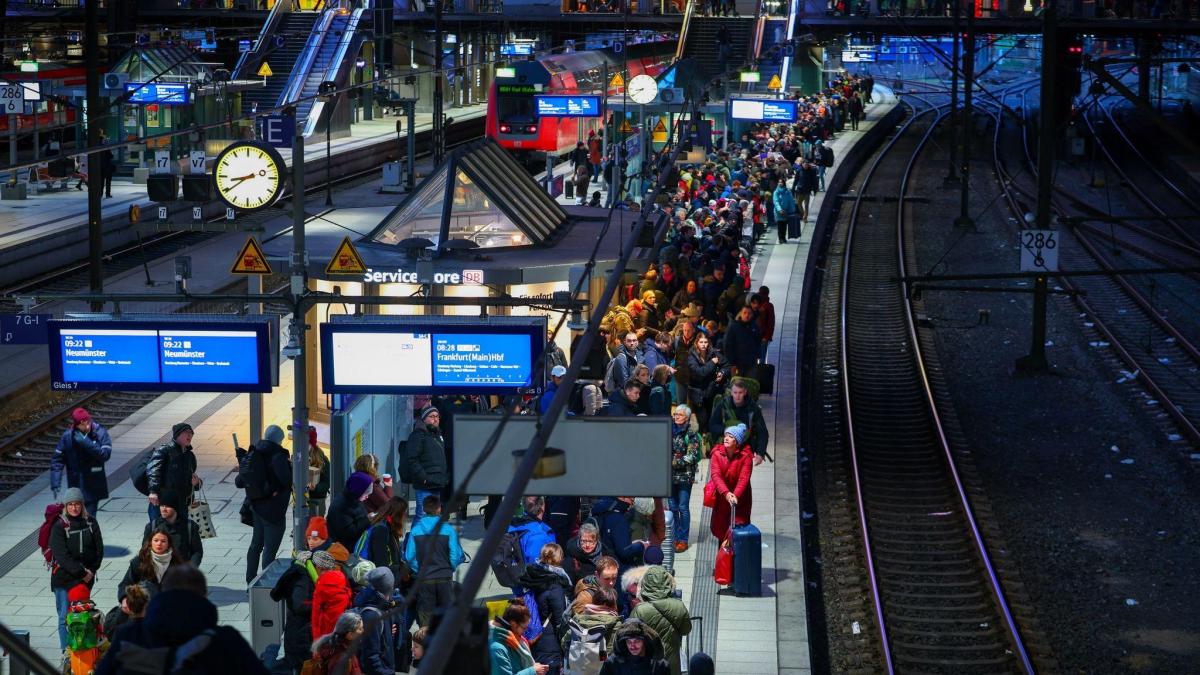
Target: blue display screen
pixel 423 357
pixel 762 110
pixel 516 49
pixel 567 106
pixel 167 356
pixel 162 93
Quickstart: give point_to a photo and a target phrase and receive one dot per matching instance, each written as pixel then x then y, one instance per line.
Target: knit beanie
pixel 382 581
pixel 427 411
pixel 79 593
pixel 701 664
pixel 317 527
pixel 80 415
pixel 274 434
pixel 72 495
pixel 323 561
pixel 179 429
pixel 358 484
pixel 169 498
pixel 738 432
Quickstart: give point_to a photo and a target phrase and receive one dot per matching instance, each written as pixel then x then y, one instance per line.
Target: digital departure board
pixel 762 110
pixel 553 105
pixel 491 356
pixel 160 356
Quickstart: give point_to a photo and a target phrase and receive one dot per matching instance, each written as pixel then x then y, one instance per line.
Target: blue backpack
pixel 537 625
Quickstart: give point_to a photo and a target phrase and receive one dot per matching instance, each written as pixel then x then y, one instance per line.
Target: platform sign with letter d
pixel 1039 250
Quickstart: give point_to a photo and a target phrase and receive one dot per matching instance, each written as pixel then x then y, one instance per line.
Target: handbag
pixel 245 514
pixel 200 513
pixel 710 494
pixel 723 569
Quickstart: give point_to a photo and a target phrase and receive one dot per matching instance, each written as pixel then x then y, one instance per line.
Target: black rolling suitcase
pixel 764 374
pixel 795 226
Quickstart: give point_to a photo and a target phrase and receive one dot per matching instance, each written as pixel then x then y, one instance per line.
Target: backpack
pixel 587 649
pixel 826 156
pixel 537 625
pixel 83 631
pixel 405 467
pixel 139 476
pixel 508 563
pixel 53 515
pixel 362 547
pixel 254 475
pixel 134 658
pixel 610 375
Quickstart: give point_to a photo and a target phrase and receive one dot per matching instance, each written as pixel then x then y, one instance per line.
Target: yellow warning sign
pixel 346 260
pixel 616 82
pixel 265 70
pixel 251 260
pixel 660 132
pixel 625 128
pixel 775 83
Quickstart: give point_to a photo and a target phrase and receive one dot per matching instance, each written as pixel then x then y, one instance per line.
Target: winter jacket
pixel 619 405
pixel 534 535
pixel 426 457
pixel 625 363
pixel 652 357
pixel 185 537
pixel 612 516
pixel 509 652
pixel 588 619
pixel 295 589
pixel 726 414
pixel 380 494
pixel 82 457
pixel 702 372
pixel 730 474
pixel 170 469
pixel 663 612
pixel 331 597
pixel 384 550
pixel 711 290
pixel 766 321
pixel 550 587
pixel 595 361
pixel 447 553
pixel 621 662
pixel 660 399
pixel 272 508
pixel 579 564
pixel 347 520
pixel 377 650
pixel 175 619
pixel 329 651
pixel 741 344
pixel 321 489
pixel 77 547
pixel 785 205
pixel 134 576
pixel 547 397
pixel 685 451
pixel 682 299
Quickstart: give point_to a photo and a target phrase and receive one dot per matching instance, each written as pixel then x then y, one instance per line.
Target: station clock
pixel 643 88
pixel 249 175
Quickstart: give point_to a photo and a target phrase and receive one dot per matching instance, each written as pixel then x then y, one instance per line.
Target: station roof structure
pixel 144 64
pixel 479 194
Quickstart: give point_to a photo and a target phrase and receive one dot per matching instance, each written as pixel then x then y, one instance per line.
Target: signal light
pixel 504 128
pixel 531 129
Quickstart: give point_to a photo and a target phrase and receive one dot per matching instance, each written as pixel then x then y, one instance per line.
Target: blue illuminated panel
pixel 481 360
pixel 160 356
pixel 568 106
pixel 162 93
pixel 516 49
pixel 762 110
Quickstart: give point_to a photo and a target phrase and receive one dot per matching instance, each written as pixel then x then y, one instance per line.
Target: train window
pixel 475 217
pixel 516 108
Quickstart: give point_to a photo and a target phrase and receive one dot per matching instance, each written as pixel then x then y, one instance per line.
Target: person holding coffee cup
pixel 381 490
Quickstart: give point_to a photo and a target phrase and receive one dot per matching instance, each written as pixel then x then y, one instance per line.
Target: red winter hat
pixel 80 415
pixel 312 437
pixel 79 593
pixel 317 528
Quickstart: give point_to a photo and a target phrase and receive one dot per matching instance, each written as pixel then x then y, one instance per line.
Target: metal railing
pixel 340 63
pixel 688 11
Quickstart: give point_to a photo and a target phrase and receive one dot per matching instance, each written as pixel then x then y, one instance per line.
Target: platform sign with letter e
pixel 1039 250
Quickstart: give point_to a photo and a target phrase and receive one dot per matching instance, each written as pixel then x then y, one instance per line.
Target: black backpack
pixel 404 463
pixel 139 476
pixel 826 156
pixel 254 475
pixel 508 563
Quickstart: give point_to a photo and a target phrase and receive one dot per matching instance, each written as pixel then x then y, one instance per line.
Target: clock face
pixel 643 89
pixel 249 176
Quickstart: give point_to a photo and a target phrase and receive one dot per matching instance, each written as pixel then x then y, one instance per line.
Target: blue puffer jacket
pixel 82 457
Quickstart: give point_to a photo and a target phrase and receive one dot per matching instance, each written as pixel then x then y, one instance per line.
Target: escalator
pixel 280 43
pixel 760 25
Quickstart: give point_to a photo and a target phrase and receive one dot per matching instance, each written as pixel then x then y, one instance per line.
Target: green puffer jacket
pixel 664 613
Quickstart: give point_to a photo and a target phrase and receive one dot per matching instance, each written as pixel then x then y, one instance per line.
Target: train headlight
pixel 531 129
pixel 504 128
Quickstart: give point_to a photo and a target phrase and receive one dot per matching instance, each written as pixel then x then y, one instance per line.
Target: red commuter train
pixel 512 116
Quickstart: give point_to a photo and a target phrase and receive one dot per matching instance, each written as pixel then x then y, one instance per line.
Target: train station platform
pixel 750 635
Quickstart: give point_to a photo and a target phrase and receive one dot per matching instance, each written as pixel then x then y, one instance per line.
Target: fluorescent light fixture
pixel 506 71
pixel 750 76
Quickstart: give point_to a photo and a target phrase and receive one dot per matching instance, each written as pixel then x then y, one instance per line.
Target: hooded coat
pixel 663 612
pixel 82 456
pixel 623 663
pixel 550 587
pixel 330 598
pixel 377 650
pixel 346 519
pixel 173 619
pixel 509 652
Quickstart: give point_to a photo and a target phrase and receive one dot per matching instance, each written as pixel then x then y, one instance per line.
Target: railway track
pixel 934 591
pixel 1155 351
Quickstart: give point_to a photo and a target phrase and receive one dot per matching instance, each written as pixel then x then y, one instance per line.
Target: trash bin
pixel 266 615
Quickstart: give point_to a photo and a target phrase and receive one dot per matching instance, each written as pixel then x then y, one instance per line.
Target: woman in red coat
pixel 331 596
pixel 729 470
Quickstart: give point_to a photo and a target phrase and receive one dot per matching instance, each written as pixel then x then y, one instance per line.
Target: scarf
pixel 160 562
pixel 677 429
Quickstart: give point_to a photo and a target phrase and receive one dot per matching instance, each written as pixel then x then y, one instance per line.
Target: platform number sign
pixel 196 161
pixel 1039 250
pixel 197 213
pixel 162 213
pixel 12 99
pixel 162 161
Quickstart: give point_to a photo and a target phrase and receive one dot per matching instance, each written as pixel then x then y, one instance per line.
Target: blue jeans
pixel 421 495
pixel 681 494
pixel 62 605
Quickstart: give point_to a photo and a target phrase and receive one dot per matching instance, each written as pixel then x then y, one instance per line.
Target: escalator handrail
pixel 339 62
pixel 688 10
pixel 251 58
pixel 305 61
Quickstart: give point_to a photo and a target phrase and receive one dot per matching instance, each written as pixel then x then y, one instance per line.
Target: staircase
pixel 295 27
pixel 320 64
pixel 702 42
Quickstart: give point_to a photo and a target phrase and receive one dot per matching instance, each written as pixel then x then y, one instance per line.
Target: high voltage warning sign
pixel 346 260
pixel 251 260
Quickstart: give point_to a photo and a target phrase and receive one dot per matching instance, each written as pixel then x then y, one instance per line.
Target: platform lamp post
pixel 327 92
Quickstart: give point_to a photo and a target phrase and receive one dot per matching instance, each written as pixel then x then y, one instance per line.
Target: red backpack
pixel 53 516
